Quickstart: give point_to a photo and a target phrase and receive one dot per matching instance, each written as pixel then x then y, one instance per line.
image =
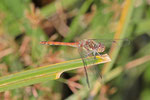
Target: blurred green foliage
pixel 21 25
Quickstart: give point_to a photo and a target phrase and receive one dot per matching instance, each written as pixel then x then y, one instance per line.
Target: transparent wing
pixel 115 42
pixel 83 54
pixel 93 71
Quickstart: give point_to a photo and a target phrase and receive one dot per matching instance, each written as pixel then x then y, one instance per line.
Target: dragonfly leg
pixel 94 54
pixel 89 53
pixel 99 54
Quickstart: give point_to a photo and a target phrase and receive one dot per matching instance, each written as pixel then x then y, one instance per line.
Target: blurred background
pixel 24 23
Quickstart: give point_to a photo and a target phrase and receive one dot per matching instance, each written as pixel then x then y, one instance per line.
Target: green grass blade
pixel 121 31
pixel 51 8
pixel 44 73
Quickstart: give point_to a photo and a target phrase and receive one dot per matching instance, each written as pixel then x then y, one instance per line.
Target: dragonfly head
pixel 101 48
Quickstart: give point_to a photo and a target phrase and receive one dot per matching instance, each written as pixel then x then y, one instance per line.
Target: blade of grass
pixel 44 73
pixel 76 28
pixel 51 9
pixel 120 34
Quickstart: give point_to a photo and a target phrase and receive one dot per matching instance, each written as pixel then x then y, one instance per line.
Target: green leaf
pixel 44 73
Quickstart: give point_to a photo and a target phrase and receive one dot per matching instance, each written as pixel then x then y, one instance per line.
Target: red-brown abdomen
pixel 59 43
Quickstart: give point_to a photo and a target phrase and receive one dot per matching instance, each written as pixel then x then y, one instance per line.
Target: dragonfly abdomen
pixel 58 43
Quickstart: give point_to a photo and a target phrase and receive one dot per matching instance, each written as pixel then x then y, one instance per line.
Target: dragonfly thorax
pixel 91 45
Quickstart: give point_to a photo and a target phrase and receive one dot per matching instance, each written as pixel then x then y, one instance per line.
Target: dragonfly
pixel 86 48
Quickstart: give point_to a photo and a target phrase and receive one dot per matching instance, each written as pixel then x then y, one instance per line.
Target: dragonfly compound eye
pixel 101 48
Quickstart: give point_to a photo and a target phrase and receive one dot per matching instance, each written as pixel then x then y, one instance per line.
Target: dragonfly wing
pixel 94 70
pixel 115 42
pixel 83 55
